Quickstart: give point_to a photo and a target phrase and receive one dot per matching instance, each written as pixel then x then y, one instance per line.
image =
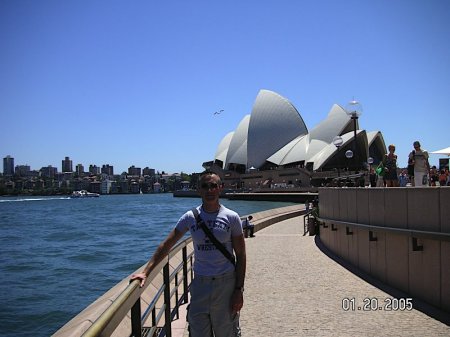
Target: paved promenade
pixel 294 289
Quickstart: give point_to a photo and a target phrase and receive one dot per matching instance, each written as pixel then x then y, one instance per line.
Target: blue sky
pixel 137 82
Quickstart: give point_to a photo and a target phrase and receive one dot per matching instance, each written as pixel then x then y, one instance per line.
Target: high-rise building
pixel 8 166
pixel 67 165
pixel 94 169
pixel 79 169
pixel 49 171
pixel 22 170
pixel 134 171
pixel 108 169
pixel 148 172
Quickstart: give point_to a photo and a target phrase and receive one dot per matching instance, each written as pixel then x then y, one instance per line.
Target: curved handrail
pixel 130 298
pixel 409 232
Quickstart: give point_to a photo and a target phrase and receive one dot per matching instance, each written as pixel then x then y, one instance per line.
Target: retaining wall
pixel 415 264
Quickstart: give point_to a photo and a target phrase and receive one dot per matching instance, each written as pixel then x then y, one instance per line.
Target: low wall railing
pixel 122 306
pixel 130 299
pixel 414 234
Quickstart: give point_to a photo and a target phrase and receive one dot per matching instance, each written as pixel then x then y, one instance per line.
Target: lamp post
pixel 338 141
pixel 349 156
pixel 370 162
pixel 354 110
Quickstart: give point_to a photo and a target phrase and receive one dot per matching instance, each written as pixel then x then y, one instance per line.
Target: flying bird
pixel 218 112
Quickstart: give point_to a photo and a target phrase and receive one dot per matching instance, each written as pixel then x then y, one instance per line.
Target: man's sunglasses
pixel 210 186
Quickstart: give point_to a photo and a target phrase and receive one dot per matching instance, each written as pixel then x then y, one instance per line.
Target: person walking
pixel 419 158
pixel 218 285
pixel 390 167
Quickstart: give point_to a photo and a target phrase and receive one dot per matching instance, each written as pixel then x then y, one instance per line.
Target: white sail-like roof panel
pixel 239 155
pixel 318 139
pixel 335 123
pixel 372 136
pixel 285 153
pixel 274 123
pixel 222 149
pixel 237 152
pixel 321 158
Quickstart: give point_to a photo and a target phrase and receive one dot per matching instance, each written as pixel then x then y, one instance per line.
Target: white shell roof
pixel 274 122
pixel 237 151
pixel 335 124
pixel 329 150
pixel 222 149
pixel 313 145
pixel 374 135
pixel 276 132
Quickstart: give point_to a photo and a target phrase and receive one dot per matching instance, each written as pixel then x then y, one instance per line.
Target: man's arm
pixel 161 252
pixel 237 300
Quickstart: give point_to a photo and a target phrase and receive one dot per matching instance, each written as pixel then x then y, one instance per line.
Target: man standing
pixel 419 158
pixel 218 286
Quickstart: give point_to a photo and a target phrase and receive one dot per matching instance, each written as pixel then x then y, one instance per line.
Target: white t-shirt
pixel 224 224
pixel 420 161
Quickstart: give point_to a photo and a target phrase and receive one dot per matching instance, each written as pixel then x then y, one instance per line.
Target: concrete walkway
pixel 293 289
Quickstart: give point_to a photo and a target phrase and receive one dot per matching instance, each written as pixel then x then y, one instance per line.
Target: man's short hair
pixel 209 173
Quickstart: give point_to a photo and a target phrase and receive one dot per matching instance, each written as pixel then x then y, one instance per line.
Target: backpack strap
pixel 211 236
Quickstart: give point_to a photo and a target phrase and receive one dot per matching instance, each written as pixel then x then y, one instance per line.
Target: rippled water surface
pixel 57 255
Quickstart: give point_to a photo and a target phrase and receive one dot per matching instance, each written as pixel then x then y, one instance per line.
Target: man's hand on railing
pixel 139 276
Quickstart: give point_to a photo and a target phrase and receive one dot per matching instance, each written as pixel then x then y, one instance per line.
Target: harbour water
pixel 57 255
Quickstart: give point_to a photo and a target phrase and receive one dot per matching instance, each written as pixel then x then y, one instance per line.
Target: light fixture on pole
pixel 354 110
pixel 338 141
pixel 349 156
pixel 370 162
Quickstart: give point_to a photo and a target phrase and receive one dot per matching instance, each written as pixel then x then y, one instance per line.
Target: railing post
pixel 185 275
pixel 167 316
pixel 136 324
pixel 177 303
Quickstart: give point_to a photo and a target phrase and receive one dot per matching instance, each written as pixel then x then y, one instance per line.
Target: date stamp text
pixel 375 304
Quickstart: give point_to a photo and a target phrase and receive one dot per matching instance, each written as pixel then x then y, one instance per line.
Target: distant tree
pixel 185 177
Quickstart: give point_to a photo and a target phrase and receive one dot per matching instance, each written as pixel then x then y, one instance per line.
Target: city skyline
pixel 73 166
pixel 141 82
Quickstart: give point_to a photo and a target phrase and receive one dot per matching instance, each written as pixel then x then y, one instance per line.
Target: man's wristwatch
pixel 241 289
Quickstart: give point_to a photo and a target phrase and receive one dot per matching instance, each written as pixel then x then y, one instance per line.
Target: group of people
pixel 419 172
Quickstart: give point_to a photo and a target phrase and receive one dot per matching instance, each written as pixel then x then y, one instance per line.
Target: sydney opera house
pixel 273 146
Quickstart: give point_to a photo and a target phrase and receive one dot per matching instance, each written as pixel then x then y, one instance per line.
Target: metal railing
pixel 130 299
pixel 413 233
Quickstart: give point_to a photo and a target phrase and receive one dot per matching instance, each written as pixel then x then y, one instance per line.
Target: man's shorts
pixel 210 307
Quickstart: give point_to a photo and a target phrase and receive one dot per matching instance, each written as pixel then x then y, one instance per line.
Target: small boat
pixel 84 194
